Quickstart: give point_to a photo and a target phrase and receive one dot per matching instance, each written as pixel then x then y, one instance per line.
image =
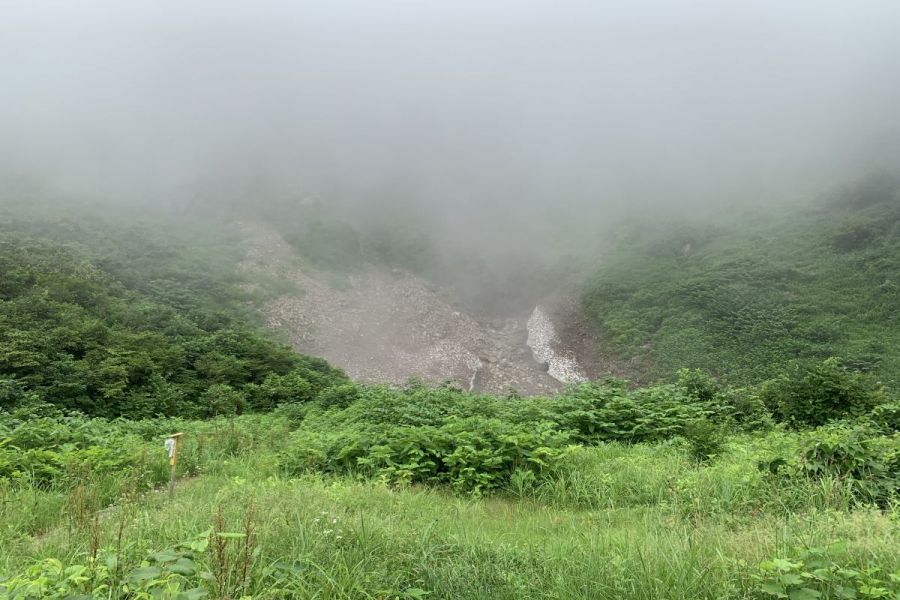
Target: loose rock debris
pixel 386 325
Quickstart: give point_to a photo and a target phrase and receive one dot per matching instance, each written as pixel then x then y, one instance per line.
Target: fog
pixel 490 119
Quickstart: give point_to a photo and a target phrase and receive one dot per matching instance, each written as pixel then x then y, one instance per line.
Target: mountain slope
pixel 387 325
pixel 132 322
pixel 743 299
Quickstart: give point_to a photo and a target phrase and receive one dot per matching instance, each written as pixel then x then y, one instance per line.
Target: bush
pixel 294 412
pixel 860 463
pixel 815 574
pixel 809 396
pixel 280 389
pixel 745 409
pixel 610 412
pixel 339 396
pixel 425 435
pixel 473 454
pixel 179 573
pixel 42 447
pixel 706 439
pixel 422 434
pixel 858 456
pixel 886 417
pixel 222 399
pixel 13 393
pixel 698 384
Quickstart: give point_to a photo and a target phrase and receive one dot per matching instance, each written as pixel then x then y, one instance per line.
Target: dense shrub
pixel 14 393
pixel 886 417
pixel 814 573
pixel 113 334
pixel 279 389
pixel 42 447
pixel 441 435
pixel 808 396
pixel 741 408
pixel 855 459
pixel 612 412
pixel 471 454
pixel 706 439
pixel 339 396
pixel 698 385
pixel 183 572
pixel 222 399
pixel 857 456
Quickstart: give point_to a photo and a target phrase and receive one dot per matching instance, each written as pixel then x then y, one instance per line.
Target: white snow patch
pixel 544 341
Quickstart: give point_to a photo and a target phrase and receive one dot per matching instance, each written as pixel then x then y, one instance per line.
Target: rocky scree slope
pixel 387 325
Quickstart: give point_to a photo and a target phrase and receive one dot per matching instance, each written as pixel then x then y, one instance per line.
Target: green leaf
pixel 75 570
pixel 200 544
pixel 844 592
pixel 774 589
pixel 143 574
pixel 184 566
pixel 784 565
pixel 192 594
pixel 804 594
pixel 164 556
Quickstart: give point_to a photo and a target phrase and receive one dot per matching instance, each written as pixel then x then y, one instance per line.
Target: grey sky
pixel 486 106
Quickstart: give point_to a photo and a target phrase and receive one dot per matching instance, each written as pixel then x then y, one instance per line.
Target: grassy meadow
pixel 602 519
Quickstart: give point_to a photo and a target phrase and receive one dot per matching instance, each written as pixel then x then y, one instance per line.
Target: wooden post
pixel 172 449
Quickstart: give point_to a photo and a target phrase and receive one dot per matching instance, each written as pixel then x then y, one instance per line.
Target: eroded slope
pixel 387 325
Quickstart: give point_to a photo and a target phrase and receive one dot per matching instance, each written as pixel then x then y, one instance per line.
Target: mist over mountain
pixel 481 299
pixel 486 120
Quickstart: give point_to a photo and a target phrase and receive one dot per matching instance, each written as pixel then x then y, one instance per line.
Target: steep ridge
pixel 387 325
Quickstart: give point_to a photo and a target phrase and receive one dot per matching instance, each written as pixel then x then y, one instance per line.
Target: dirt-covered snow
pixel 548 349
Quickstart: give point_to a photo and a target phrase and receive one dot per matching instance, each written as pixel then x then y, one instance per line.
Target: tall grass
pixel 643 521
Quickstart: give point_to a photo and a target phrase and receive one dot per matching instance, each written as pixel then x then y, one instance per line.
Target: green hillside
pixel 138 317
pixel 744 298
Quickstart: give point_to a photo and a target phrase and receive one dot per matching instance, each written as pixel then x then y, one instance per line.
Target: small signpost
pixel 172 450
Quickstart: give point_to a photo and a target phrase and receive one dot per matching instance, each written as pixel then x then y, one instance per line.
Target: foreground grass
pixel 342 538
